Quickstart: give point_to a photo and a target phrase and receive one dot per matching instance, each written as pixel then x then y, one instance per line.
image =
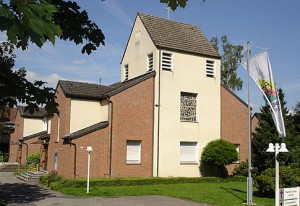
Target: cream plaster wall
pixel 188 75
pixel 32 126
pixel 136 53
pixel 86 113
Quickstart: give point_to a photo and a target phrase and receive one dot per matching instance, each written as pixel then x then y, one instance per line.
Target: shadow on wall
pixel 207 170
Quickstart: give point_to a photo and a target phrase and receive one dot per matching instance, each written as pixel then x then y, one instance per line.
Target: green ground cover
pixel 219 193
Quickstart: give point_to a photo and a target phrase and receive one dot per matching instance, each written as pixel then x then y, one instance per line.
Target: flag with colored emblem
pixel 260 70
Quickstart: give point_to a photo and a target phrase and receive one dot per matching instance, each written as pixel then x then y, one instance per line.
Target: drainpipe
pixel 110 119
pixel 75 155
pixel 158 115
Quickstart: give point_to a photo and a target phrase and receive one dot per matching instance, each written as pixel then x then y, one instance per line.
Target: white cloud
pixel 51 79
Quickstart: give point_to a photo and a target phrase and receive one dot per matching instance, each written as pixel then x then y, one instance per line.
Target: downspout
pixel 110 119
pixel 75 156
pixel 158 115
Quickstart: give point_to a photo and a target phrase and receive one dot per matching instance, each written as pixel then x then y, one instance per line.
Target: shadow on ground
pixel 22 193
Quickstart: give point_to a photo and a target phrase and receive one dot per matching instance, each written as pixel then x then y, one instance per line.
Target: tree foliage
pixel 219 152
pixel 15 88
pixel 231 57
pixel 41 20
pixel 266 133
pixel 174 4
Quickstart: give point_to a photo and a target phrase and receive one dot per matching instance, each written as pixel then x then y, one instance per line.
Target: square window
pixel 188 107
pixel 133 152
pixel 188 153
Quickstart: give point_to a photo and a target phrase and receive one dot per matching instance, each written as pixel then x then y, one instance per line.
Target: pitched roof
pixel 86 131
pixel 167 34
pixel 96 92
pixel 36 114
pixel 83 90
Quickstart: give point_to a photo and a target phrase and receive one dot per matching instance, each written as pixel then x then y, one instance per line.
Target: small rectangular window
pixel 210 68
pixel 133 152
pixel 150 62
pixel 166 61
pixel 188 106
pixel 188 153
pixel 126 72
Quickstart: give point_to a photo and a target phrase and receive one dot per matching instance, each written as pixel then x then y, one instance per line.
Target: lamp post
pixel 277 149
pixel 89 149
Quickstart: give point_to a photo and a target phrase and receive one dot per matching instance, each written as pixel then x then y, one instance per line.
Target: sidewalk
pixel 16 192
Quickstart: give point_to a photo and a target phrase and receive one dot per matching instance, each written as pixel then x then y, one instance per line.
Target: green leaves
pixel 29 20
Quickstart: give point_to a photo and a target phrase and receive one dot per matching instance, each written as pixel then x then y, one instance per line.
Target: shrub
pixel 50 178
pixel 288 177
pixel 105 182
pixel 32 160
pixel 242 170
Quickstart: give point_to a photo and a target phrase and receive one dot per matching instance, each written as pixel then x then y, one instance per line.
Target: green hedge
pixel 112 182
pixel 288 177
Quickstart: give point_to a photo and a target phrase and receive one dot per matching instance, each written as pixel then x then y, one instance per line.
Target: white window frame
pixel 150 62
pixel 188 152
pixel 237 147
pixel 166 64
pixel 197 107
pixel 210 68
pixel 133 151
pixel 126 72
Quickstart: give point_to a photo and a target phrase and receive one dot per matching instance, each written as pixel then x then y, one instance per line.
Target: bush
pixel 32 160
pixel 288 177
pixel 242 170
pixel 106 182
pixel 50 178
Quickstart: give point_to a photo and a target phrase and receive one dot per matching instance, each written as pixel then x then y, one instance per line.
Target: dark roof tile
pixel 167 34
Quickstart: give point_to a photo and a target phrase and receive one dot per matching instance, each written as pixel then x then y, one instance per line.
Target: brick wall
pixel 32 148
pixel 234 123
pixel 133 120
pixel 64 151
pixel 14 137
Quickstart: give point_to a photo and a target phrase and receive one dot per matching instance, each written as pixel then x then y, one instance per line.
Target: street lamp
pixel 89 149
pixel 277 149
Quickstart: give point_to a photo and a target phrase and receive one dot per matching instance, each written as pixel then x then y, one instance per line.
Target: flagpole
pixel 249 179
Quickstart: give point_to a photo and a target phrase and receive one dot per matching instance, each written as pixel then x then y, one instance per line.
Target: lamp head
pixel 89 149
pixel 283 148
pixel 271 148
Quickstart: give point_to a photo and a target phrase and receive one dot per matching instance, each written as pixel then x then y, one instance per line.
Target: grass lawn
pixel 224 193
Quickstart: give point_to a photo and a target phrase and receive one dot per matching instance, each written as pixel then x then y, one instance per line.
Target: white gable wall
pixel 136 53
pixel 32 126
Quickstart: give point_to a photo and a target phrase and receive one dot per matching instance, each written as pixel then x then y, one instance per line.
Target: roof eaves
pixel 131 83
pixel 33 135
pixel 85 131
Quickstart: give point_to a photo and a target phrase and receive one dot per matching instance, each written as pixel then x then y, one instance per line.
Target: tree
pixel 174 4
pixel 15 88
pixel 231 57
pixel 41 20
pixel 220 153
pixel 266 133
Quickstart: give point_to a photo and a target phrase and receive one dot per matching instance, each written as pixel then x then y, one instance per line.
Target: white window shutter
pixel 133 154
pixel 188 152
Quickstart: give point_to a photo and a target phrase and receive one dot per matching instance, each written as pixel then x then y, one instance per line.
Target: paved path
pixel 16 192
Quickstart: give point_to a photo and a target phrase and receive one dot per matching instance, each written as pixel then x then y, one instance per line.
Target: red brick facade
pixel 133 106
pixel 14 152
pixel 234 123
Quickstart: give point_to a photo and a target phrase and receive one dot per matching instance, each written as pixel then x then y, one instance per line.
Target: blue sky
pixel 267 24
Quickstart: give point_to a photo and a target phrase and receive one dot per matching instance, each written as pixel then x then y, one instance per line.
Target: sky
pixel 272 25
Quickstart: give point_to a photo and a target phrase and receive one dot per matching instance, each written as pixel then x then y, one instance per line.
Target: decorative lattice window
pixel 210 68
pixel 150 62
pixel 188 107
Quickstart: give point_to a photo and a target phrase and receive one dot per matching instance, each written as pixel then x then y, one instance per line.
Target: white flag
pixel 260 70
